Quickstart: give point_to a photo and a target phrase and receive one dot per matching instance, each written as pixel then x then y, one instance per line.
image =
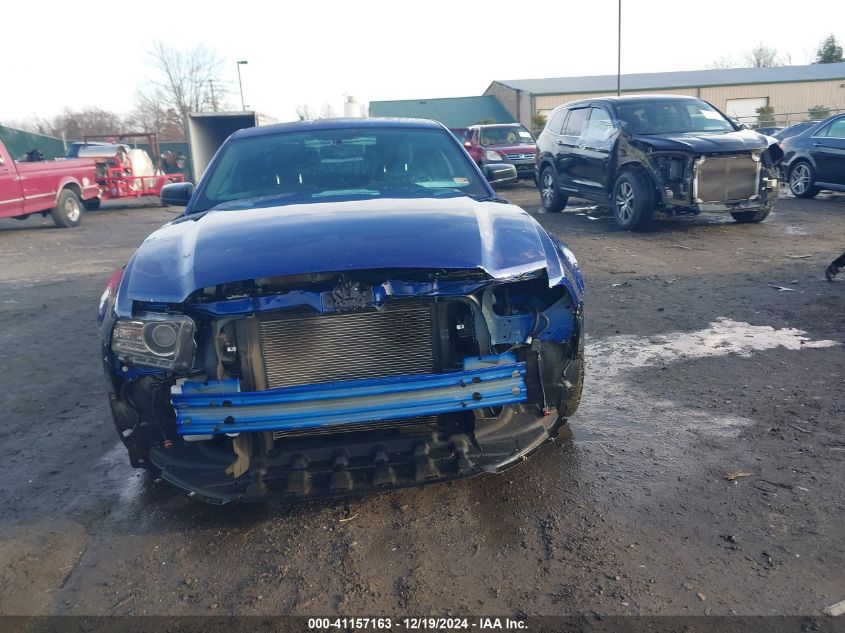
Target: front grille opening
pixel 427 424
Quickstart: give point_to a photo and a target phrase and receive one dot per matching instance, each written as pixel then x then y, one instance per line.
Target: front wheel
pixel 754 216
pixel 802 180
pixel 552 199
pixel 68 209
pixel 633 201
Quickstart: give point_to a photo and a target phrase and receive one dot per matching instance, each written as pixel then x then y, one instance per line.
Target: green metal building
pixel 453 112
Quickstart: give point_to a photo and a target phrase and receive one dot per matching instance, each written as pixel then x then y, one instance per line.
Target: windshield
pixel 506 135
pixel 672 117
pixel 341 164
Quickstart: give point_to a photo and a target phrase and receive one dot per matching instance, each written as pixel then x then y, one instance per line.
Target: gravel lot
pixel 698 367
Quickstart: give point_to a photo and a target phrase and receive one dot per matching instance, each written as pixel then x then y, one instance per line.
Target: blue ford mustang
pixel 344 306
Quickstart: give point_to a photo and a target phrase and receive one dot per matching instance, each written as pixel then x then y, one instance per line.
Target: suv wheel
pixel 802 180
pixel 553 201
pixel 633 201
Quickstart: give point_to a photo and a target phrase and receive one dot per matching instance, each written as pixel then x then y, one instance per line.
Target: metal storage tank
pixel 351 109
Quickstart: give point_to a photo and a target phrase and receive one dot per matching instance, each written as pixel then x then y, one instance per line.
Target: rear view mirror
pixel 177 194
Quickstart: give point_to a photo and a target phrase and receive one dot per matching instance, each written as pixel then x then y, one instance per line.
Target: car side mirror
pixel 500 174
pixel 177 194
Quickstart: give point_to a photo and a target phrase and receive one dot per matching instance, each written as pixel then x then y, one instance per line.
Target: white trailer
pixel 208 130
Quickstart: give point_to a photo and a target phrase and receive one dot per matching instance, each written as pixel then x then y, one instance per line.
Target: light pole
pixel 619 52
pixel 241 86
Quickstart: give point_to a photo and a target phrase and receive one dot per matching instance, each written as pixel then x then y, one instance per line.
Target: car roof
pixel 614 100
pixel 802 123
pixel 337 124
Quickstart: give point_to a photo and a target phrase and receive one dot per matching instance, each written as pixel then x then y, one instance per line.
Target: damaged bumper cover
pixel 337 445
pixel 362 462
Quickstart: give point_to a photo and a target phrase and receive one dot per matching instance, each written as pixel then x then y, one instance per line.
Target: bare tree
pixel 762 56
pixel 185 79
pixel 34 124
pixel 725 61
pixel 305 112
pixel 327 111
pixel 91 120
pixel 150 115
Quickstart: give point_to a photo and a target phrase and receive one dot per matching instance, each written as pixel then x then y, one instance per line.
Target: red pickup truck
pixel 58 187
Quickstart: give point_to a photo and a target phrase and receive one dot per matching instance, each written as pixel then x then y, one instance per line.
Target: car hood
pixel 236 245
pixel 513 149
pixel 742 140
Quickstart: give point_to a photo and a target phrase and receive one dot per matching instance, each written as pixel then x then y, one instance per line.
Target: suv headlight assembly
pixel 492 155
pixel 162 341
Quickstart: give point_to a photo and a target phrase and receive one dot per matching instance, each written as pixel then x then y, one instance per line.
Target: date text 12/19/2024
pixel 416 624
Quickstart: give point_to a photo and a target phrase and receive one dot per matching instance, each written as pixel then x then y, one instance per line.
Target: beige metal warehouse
pixel 790 90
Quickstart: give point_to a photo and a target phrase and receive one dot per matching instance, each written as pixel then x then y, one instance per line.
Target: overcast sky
pixel 79 53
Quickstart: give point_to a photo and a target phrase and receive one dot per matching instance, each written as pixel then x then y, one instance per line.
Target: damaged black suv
pixel 641 154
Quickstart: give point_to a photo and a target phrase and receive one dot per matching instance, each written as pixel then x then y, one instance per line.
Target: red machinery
pixel 124 172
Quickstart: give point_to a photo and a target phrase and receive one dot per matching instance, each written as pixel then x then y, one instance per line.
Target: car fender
pixel 790 158
pixel 632 157
pixel 544 159
pixel 83 190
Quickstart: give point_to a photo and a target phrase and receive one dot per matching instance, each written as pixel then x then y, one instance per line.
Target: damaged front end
pixel 695 182
pixel 319 384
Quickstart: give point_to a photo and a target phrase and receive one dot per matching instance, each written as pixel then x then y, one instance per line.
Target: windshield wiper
pixel 249 202
pixel 493 198
pixel 345 192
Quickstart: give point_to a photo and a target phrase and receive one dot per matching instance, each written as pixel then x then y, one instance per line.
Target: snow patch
pixel 614 406
pixel 615 354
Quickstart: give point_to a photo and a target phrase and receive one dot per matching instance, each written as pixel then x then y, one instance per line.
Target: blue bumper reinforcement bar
pixel 218 406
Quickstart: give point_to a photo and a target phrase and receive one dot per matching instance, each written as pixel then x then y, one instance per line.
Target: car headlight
pixel 491 155
pixel 164 341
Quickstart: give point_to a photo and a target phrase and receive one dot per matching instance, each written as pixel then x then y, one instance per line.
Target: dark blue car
pixel 344 306
pixel 814 159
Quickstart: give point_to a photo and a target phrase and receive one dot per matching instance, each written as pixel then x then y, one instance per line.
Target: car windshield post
pixel 338 163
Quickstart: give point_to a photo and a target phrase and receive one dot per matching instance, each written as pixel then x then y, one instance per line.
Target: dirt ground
pixel 699 365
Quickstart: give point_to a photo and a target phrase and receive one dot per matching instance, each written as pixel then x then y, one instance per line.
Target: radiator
pixel 725 179
pixel 301 349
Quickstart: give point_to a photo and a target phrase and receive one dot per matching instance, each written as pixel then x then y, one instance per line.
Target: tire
pixel 68 210
pixel 632 201
pixel 751 217
pixel 91 205
pixel 552 199
pixel 570 405
pixel 802 180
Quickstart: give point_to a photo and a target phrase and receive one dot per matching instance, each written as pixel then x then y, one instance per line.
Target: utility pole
pixel 619 52
pixel 213 100
pixel 241 86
